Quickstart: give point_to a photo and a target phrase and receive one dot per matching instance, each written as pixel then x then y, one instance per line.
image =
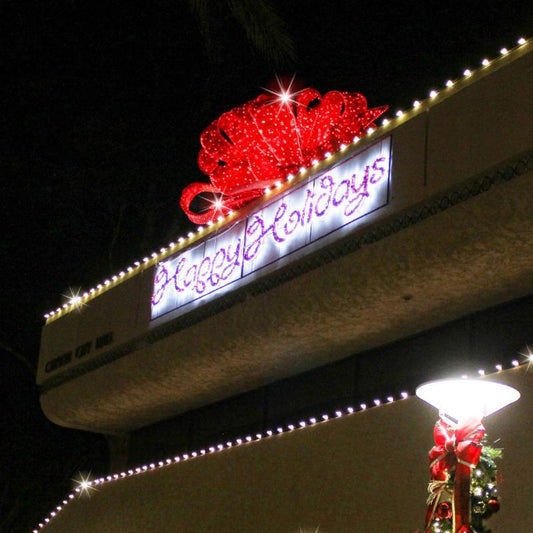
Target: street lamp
pixel 462 404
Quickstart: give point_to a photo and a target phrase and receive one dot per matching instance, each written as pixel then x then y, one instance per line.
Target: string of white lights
pixel 85 484
pixel 77 300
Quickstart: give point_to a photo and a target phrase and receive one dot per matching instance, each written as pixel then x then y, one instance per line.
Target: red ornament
pixel 260 142
pixel 493 505
pixel 444 511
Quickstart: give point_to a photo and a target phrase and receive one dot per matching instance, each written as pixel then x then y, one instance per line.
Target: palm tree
pixel 264 28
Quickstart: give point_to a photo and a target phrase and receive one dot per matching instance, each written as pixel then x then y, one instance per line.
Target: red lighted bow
pixel 260 142
pixel 460 449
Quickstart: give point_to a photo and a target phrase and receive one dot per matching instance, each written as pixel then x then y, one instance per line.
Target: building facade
pixel 330 298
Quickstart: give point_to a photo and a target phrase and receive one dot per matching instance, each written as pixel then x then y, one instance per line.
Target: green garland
pixel 483 495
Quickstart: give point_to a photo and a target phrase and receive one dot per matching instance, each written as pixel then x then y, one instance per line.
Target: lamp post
pixel 462 404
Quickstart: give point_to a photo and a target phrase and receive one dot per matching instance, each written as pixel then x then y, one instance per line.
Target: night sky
pixel 103 105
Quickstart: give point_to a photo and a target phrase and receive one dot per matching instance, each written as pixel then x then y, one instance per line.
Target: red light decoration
pixel 250 147
pixel 456 448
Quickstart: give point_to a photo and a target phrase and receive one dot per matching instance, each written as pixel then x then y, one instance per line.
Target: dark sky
pixel 103 105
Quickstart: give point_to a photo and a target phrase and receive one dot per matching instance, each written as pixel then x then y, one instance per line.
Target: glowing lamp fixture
pixel 465 398
pixel 458 502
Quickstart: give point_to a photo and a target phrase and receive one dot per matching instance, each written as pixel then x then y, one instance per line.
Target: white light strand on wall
pixel 86 485
pixel 328 159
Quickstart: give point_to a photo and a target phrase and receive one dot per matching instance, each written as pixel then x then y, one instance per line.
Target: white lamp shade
pixel 463 398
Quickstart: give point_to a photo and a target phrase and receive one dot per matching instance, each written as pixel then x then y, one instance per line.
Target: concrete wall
pixel 361 473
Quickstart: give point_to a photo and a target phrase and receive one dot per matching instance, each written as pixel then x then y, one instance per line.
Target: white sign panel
pixel 339 197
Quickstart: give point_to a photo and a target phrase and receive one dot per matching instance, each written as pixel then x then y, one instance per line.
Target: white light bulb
pixel 285 97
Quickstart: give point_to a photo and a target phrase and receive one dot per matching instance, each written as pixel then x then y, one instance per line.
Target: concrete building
pixel 429 275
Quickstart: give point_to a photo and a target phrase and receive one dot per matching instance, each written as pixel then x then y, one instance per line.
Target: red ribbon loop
pixel 227 201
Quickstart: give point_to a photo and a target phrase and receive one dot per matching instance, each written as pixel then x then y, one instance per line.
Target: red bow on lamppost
pixel 457 449
pixel 462 403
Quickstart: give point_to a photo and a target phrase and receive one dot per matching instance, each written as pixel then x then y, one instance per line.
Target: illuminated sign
pixel 308 212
